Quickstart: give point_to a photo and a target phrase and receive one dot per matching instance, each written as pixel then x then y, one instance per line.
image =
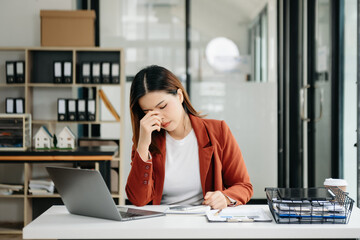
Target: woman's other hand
pixel 216 200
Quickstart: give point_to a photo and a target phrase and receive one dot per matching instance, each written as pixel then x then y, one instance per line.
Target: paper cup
pixel 333 182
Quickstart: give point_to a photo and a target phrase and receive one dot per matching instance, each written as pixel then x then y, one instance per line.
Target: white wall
pixel 20 26
pixel 20 20
pixel 350 97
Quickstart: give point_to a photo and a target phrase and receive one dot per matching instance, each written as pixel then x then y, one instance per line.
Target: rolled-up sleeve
pixel 235 175
pixel 140 184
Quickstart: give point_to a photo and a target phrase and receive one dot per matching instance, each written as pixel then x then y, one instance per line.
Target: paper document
pixel 187 209
pixel 238 214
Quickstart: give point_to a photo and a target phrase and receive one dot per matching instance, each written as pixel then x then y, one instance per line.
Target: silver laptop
pixel 84 192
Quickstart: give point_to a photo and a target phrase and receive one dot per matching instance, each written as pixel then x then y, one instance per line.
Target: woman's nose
pixel 159 114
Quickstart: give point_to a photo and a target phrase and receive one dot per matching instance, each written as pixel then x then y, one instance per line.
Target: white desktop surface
pixel 57 223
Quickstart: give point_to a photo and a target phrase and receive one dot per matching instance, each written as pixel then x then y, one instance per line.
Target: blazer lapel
pixel 206 149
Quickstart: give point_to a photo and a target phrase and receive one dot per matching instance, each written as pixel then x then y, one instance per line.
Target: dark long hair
pixel 149 79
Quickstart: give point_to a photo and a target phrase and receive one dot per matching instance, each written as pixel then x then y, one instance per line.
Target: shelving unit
pixel 40 95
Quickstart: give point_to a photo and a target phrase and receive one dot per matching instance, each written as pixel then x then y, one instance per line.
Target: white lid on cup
pixel 335 182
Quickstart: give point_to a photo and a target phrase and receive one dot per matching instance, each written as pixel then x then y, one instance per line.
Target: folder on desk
pixel 10 105
pixel 71 109
pixel 67 72
pixel 238 214
pixel 105 72
pixel 188 209
pixel 95 72
pixel 310 194
pixel 91 110
pixel 115 72
pixel 61 109
pixel 19 105
pixel 10 72
pixel 85 73
pixel 20 72
pixel 58 72
pixel 81 106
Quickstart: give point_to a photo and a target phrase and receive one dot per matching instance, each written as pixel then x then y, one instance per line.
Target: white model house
pixel 66 138
pixel 43 138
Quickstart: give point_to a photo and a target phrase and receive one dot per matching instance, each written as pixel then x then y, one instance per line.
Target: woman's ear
pixel 180 95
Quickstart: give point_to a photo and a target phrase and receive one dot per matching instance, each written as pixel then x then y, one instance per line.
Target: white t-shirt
pixel 182 183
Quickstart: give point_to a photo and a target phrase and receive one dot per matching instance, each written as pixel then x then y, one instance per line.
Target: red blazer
pixel 222 166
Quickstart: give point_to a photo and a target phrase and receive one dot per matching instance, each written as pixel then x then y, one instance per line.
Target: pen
pixel 218 212
pixel 193 207
pixel 187 208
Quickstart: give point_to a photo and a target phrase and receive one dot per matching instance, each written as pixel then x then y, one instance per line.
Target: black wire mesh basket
pixel 307 210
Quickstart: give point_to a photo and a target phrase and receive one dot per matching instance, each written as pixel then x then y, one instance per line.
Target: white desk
pixel 57 223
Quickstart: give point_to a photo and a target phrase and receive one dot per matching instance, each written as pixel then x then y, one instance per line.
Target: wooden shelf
pixel 71 122
pixel 43 196
pixel 40 96
pixel 4 230
pixel 11 227
pixel 12 196
pixel 12 85
pixel 65 85
pixel 114 195
pixel 50 85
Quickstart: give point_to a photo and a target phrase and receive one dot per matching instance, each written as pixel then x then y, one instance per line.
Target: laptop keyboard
pixel 128 214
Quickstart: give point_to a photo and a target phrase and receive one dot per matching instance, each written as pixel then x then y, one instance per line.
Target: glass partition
pixel 153 32
pixel 229 46
pixel 350 96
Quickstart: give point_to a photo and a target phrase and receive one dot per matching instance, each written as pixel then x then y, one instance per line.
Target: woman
pixel 178 157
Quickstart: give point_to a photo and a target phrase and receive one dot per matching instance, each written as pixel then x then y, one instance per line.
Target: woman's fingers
pixel 215 200
pixel 149 119
pixel 149 123
pixel 151 114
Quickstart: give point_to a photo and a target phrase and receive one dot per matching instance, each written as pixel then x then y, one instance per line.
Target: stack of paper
pixel 187 209
pixel 319 210
pixel 8 189
pixel 238 214
pixel 41 186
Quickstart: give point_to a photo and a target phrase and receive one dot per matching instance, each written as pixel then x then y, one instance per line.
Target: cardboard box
pixel 68 28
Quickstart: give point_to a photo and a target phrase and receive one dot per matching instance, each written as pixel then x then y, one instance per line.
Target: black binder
pixel 91 112
pixel 67 73
pixel 61 109
pixel 71 109
pixel 10 72
pixel 20 72
pixel 58 72
pixel 85 73
pixel 105 72
pixel 81 107
pixel 95 72
pixel 310 194
pixel 115 72
pixel 19 105
pixel 10 105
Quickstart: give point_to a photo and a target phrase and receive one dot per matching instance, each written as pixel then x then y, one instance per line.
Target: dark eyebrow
pixel 145 110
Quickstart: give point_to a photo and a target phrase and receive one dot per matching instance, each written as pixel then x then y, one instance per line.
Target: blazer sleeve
pixel 235 176
pixel 140 184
